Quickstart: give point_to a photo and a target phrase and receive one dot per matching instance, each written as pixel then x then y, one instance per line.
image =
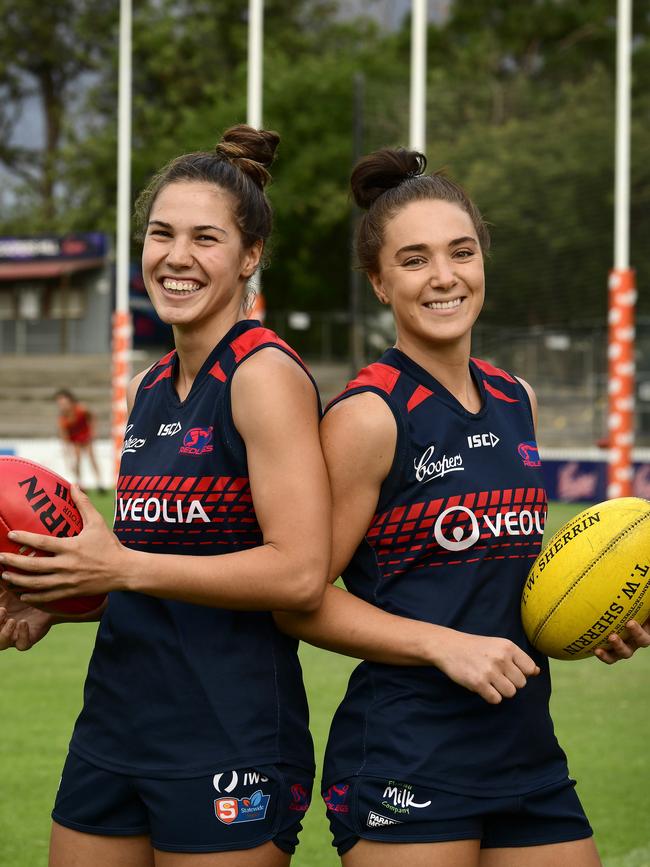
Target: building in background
pixel 55 294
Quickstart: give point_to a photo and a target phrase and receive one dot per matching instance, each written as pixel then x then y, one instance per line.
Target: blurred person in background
pixel 77 432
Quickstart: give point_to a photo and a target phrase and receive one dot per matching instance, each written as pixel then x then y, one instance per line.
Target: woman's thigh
pixel 456 853
pixel 266 855
pixel 69 848
pixel 575 853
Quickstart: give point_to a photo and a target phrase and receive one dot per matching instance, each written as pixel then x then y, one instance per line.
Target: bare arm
pixel 359 437
pixel 532 397
pixel 275 411
pixel 132 389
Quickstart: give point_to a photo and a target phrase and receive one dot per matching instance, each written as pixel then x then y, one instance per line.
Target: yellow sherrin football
pixel 591 579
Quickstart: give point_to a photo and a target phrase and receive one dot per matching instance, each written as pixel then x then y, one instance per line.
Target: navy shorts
pixel 398 812
pixel 235 809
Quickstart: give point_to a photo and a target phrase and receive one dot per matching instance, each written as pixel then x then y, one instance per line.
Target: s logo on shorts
pixel 232 811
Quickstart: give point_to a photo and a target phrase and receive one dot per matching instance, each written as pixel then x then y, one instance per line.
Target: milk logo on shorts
pixel 399 798
pixel 197 441
pixel 131 443
pixel 529 454
pixel 429 467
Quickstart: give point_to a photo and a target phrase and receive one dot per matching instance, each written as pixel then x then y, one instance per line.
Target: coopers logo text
pixel 429 467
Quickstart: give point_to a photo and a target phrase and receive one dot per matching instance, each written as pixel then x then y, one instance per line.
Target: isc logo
pixel 476 441
pixel 168 430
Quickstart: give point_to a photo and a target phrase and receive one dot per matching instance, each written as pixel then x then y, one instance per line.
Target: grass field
pixel 602 717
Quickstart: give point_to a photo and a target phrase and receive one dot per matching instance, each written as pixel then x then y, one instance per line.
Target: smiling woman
pixel 193 268
pixel 442 751
pixel 193 744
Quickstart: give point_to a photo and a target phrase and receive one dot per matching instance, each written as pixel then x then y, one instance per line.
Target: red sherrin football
pixel 35 499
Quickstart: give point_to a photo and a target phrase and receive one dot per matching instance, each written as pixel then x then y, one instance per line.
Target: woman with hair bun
pixel 442 752
pixel 193 744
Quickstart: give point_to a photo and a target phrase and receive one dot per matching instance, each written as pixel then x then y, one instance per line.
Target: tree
pixel 46 51
pixel 520 110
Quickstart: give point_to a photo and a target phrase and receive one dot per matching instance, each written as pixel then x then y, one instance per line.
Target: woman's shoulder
pixel 133 386
pixel 363 422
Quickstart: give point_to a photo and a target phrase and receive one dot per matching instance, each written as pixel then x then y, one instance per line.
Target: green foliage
pixel 520 109
pixel 47 49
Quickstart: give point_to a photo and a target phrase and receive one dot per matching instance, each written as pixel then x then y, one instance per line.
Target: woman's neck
pixel 449 365
pixel 193 345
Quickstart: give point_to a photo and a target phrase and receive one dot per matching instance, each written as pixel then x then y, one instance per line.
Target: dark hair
pixel 238 164
pixel 64 392
pixel 389 179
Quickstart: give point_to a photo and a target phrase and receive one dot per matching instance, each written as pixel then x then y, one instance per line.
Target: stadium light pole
pixel 121 327
pixel 417 109
pixel 357 341
pixel 255 48
pixel 254 115
pixel 622 291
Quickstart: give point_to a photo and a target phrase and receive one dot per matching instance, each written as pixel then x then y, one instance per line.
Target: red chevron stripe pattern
pixel 164 374
pixel 498 394
pixel 487 525
pixel 419 395
pixel 491 370
pixel 154 510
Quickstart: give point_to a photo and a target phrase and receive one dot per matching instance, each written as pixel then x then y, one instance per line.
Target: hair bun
pixel 383 170
pixel 251 150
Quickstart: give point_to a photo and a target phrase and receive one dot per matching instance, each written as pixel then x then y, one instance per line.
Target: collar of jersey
pixel 202 376
pixel 423 377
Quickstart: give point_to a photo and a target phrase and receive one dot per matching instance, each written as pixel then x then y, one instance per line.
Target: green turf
pixel 602 717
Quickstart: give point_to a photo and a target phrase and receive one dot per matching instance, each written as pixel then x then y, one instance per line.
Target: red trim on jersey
pixel 420 394
pixel 165 359
pixel 164 374
pixel 382 376
pixel 498 394
pixel 491 370
pixel 217 371
pixel 249 340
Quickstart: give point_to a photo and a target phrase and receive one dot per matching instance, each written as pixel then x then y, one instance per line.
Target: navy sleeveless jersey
pixel 176 689
pixel 459 522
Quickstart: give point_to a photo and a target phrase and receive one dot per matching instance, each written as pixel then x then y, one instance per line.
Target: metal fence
pixel 567 367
